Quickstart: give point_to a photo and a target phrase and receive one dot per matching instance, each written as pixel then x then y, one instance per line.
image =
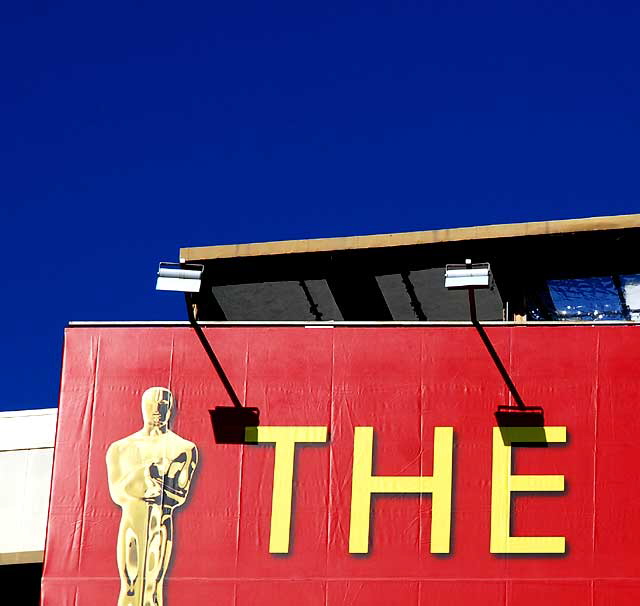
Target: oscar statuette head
pixel 157 405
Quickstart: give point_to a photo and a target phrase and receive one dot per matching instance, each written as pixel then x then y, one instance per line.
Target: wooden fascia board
pixel 485 232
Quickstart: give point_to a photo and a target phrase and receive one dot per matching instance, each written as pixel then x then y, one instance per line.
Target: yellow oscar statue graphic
pixel 150 473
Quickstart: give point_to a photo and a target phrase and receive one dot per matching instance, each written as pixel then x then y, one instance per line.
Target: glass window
pixel 631 288
pixel 589 299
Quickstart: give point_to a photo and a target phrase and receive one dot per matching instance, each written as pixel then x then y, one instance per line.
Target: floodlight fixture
pixel 467 275
pixel 179 277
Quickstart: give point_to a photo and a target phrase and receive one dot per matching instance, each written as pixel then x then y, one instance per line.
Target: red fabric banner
pixel 147 505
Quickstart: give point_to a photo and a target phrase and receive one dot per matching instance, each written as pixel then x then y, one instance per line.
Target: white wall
pixel 26 458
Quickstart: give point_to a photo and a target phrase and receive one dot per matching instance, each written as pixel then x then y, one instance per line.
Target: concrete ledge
pixel 22 557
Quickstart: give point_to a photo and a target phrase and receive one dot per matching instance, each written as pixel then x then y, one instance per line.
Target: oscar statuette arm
pixel 125 483
pixel 177 479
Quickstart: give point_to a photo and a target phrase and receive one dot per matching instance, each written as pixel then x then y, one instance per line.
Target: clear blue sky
pixel 131 129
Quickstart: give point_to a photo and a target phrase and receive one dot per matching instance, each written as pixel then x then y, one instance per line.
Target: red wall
pixel 401 381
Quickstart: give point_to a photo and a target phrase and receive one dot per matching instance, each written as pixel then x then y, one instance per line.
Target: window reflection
pixel 585 299
pixel 592 299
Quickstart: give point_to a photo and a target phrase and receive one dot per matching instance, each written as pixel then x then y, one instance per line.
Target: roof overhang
pixel 484 232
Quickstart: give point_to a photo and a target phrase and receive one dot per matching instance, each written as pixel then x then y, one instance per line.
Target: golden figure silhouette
pixel 149 474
